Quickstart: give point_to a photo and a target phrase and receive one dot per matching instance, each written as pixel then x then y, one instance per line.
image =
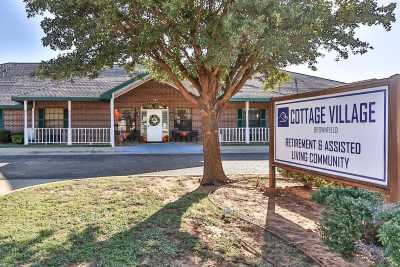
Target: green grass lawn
pixel 122 221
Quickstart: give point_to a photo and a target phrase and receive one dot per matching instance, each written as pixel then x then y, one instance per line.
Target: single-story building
pixel 118 106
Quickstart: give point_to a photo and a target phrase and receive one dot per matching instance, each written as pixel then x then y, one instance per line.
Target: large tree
pixel 214 45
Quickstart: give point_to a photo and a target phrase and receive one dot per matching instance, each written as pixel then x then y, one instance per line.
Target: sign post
pixel 348 134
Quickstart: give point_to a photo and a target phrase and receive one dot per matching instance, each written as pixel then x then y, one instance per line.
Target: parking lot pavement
pixel 23 171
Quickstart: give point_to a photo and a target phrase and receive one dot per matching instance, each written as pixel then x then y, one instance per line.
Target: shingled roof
pixel 17 83
pixel 254 90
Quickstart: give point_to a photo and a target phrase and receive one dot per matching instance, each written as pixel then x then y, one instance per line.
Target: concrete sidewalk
pixel 139 149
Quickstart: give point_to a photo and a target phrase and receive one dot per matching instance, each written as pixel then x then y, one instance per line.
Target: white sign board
pixel 342 134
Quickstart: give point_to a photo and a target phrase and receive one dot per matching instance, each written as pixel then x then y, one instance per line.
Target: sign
pixel 342 134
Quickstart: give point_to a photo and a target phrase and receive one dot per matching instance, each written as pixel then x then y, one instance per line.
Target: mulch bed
pixel 289 214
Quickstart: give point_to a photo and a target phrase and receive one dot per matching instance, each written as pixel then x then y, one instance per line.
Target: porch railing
pixel 238 135
pixel 60 136
pixel 259 135
pixel 90 135
pixel 102 135
pixel 48 136
pixel 232 135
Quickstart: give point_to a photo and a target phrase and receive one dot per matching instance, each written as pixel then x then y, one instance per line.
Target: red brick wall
pixel 13 120
pixel 97 114
pixel 158 93
pixel 83 114
pixel 90 114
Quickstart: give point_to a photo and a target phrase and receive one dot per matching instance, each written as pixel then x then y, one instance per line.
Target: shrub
pixel 307 180
pixel 17 138
pixel 4 136
pixel 389 234
pixel 328 195
pixel 348 216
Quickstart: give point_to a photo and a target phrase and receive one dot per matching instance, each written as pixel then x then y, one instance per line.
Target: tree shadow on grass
pixel 159 240
pixel 14 252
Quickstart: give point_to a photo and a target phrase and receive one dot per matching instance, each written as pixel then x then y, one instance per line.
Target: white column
pixel 247 123
pixel 25 122
pixel 112 128
pixel 33 116
pixel 33 121
pixel 69 134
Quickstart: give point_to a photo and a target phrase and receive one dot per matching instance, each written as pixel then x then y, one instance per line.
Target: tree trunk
pixel 213 172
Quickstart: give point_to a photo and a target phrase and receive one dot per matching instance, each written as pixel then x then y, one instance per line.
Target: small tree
pixel 215 45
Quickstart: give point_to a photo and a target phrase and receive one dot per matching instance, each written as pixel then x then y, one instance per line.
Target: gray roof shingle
pixel 297 83
pixel 16 80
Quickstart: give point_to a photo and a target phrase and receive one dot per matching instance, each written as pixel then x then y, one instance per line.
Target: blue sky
pixel 21 42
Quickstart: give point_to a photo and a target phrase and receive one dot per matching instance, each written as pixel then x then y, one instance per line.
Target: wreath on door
pixel 154 120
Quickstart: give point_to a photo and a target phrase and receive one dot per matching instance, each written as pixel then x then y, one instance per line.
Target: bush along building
pixel 118 107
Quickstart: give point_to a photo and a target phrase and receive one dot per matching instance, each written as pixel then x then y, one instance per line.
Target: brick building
pixel 80 110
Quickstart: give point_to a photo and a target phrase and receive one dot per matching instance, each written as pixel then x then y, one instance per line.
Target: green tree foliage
pixel 192 36
pixel 215 45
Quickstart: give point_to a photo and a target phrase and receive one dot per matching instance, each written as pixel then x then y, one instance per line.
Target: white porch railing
pixel 60 135
pixel 232 135
pixel 48 135
pixel 259 135
pixel 238 135
pixel 90 135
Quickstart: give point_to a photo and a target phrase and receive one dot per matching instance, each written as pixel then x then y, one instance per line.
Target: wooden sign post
pixel 348 134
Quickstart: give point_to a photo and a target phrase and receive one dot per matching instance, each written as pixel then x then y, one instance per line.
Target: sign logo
pixel 283 117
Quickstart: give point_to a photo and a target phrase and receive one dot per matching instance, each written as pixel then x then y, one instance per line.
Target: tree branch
pixel 231 91
pixel 185 72
pixel 178 84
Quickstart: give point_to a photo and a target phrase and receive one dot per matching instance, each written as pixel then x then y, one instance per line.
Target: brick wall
pixel 13 120
pixel 97 114
pixel 90 114
pixel 83 114
pixel 160 94
pixel 157 93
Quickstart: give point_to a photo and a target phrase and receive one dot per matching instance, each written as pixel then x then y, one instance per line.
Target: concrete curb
pixel 58 152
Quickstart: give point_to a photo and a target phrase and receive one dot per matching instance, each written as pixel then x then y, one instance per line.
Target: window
pixel 1 119
pixel 54 118
pixel 125 119
pixel 257 118
pixel 183 119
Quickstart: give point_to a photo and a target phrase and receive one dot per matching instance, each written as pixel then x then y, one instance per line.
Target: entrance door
pixel 154 125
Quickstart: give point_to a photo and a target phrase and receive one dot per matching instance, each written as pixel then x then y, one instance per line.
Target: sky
pixel 20 41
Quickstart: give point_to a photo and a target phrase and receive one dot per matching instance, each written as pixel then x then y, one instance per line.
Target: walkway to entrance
pixel 135 149
pixel 186 148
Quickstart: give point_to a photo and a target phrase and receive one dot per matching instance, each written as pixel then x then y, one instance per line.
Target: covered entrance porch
pixel 68 122
pixel 145 111
pixel 147 124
